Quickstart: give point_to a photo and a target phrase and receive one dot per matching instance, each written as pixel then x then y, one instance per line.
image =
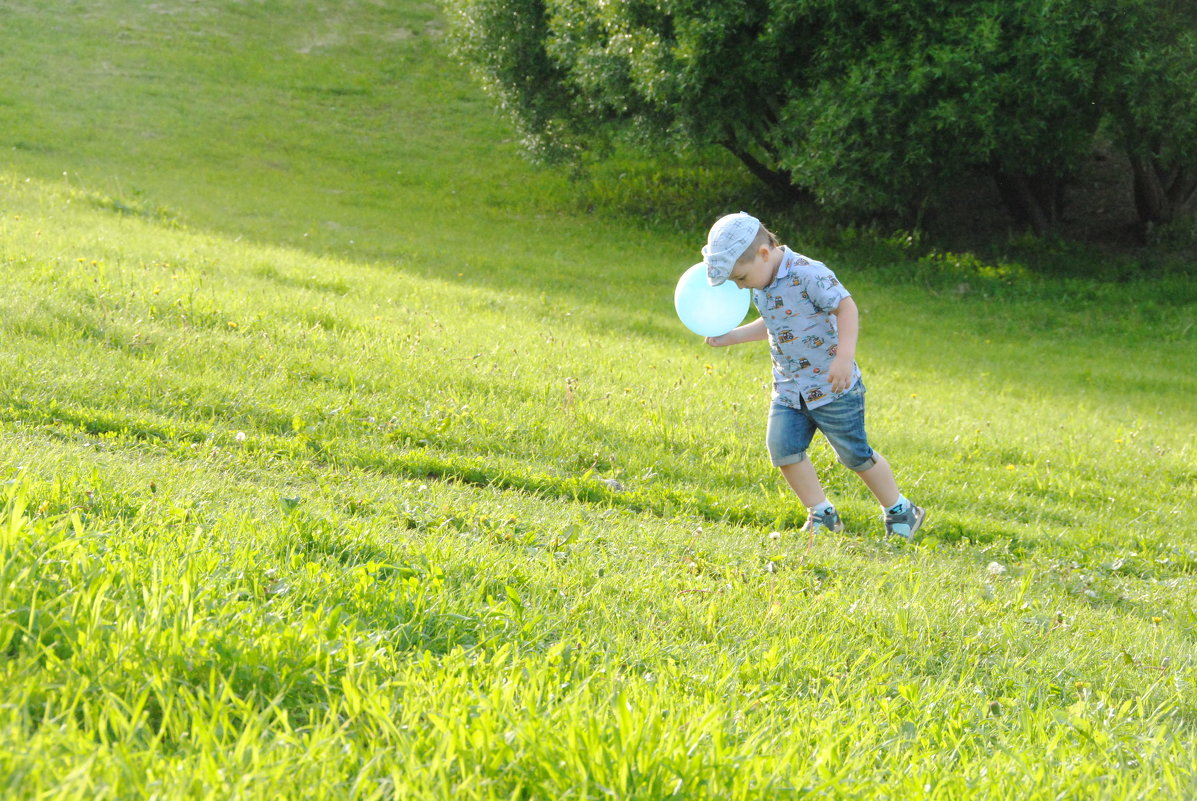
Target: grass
pixel 311 385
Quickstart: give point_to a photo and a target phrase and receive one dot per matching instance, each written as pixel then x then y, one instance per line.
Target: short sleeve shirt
pixel 803 336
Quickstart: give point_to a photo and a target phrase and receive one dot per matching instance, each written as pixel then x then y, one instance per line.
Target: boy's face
pixel 756 272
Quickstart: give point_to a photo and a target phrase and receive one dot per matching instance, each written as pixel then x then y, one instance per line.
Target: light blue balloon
pixel 709 311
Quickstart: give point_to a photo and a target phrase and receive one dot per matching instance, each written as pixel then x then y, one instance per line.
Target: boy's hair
pixel 763 237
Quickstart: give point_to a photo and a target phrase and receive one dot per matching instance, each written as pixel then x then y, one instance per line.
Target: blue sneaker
pixel 906 522
pixel 829 520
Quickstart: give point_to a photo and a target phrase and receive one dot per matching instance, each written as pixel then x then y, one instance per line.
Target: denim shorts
pixel 842 422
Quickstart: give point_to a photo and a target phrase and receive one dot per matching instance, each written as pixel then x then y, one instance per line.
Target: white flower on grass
pixel 774 535
pixel 996 568
pixel 240 436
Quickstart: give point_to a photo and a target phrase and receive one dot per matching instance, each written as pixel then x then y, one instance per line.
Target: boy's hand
pixel 750 332
pixel 839 375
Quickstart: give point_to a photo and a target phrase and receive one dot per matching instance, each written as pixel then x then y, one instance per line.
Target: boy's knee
pixel 786 461
pixel 859 466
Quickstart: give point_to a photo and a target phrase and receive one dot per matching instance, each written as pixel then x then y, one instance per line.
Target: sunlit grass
pixel 330 515
pixel 280 523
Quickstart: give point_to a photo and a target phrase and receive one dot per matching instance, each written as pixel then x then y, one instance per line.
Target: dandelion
pixel 996 569
pixel 240 436
pixel 774 535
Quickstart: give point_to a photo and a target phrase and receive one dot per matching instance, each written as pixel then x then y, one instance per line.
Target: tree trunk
pixel 778 180
pixel 1036 200
pixel 1161 194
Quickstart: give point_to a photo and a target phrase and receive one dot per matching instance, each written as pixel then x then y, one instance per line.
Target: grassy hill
pixel 312 388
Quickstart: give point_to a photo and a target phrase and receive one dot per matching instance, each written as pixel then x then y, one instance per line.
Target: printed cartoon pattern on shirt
pixel 803 337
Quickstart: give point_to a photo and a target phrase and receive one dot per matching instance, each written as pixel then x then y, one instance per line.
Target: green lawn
pixel 311 385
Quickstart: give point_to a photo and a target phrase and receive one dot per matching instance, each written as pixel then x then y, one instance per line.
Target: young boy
pixel 811 323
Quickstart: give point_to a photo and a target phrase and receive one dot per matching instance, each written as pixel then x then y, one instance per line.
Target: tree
pixel 866 105
pixel 1153 100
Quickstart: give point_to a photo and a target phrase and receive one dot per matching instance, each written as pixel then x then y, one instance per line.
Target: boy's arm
pixel 848 325
pixel 751 332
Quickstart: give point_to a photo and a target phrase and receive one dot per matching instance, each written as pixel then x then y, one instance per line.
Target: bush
pixel 867 106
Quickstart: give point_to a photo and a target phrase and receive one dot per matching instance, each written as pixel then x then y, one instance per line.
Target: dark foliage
pixel 868 107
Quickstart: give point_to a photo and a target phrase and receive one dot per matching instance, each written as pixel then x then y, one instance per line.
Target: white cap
pixel 730 236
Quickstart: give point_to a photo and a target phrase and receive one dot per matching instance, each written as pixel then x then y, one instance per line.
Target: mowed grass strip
pixel 453 653
pixel 315 603
pixel 183 340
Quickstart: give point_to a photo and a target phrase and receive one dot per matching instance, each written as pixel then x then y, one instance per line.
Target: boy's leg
pixel 842 422
pixel 804 481
pixel 901 516
pixel 880 480
pixel 788 435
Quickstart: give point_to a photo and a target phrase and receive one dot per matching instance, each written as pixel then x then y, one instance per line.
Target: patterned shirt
pixel 803 336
